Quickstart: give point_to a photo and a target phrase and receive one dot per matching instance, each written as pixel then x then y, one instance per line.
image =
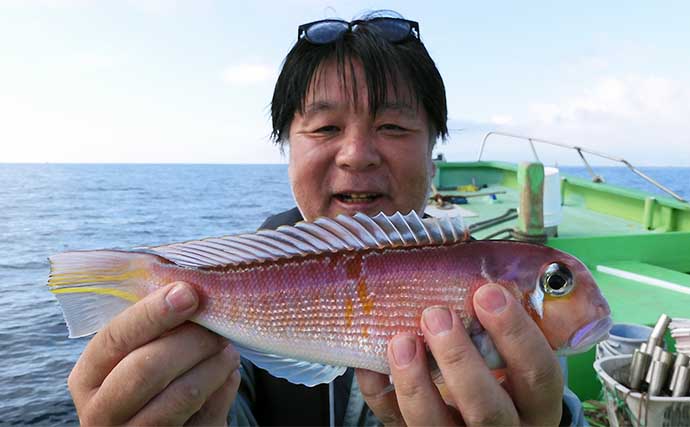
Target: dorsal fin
pixel 389 229
pixel 419 229
pixel 343 233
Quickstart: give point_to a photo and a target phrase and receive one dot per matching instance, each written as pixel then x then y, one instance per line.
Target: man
pixel 360 106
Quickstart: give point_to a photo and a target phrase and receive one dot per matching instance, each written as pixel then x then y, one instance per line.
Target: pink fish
pixel 305 302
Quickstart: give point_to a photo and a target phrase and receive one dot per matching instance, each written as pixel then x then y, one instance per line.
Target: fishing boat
pixel 635 243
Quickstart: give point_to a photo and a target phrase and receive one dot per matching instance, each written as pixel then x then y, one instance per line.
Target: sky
pixel 155 81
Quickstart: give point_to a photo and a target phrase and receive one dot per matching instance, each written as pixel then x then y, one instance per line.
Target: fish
pixel 307 301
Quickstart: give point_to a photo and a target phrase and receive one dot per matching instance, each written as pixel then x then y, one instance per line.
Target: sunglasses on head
pixel 394 30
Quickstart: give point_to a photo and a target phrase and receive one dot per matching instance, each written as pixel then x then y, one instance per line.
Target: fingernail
pixel 491 298
pixel 180 298
pixel 437 319
pixel 404 348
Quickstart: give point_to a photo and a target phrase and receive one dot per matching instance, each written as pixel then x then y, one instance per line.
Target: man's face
pixel 345 160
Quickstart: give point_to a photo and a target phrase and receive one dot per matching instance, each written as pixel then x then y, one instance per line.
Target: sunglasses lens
pixel 329 30
pixel 393 30
pixel 326 32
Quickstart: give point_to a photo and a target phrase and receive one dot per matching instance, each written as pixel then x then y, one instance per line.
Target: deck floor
pixel 577 221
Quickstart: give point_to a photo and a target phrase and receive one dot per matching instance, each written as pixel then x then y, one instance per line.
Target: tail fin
pixel 92 287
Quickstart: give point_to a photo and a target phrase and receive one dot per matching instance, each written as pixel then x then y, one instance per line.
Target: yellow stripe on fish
pixel 101 291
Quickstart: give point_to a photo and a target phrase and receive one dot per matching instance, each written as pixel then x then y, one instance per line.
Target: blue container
pixel 624 338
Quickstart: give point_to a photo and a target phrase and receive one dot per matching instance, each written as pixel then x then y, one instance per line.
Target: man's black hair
pixel 385 65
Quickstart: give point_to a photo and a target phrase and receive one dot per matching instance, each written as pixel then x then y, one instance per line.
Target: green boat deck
pixel 577 219
pixel 637 245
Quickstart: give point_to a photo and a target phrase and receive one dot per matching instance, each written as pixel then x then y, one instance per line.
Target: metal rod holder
pixel 659 373
pixel 638 369
pixel 657 335
pixel 656 357
pixel 681 361
pixel 682 382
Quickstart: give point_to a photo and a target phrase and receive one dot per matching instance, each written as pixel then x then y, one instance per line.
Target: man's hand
pixel 534 381
pixel 149 367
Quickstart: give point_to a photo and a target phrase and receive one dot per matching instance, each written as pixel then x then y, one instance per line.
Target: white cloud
pixel 650 99
pixel 641 118
pixel 588 64
pixel 248 74
pixel 501 119
pixel 94 61
pixel 644 119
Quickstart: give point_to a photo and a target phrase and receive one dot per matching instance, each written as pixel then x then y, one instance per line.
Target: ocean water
pixel 50 208
pixel 46 209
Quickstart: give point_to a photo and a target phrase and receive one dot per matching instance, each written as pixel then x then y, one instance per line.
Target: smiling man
pixel 346 158
pixel 360 106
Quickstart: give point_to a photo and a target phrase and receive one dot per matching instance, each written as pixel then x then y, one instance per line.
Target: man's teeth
pixel 357 197
pixel 361 196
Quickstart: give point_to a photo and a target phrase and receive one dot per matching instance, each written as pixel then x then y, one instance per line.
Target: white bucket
pixel 638 409
pixel 624 338
pixel 552 197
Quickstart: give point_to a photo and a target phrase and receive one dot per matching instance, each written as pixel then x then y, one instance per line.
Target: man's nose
pixel 358 151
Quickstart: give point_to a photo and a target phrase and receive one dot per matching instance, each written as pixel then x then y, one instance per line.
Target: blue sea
pixel 49 208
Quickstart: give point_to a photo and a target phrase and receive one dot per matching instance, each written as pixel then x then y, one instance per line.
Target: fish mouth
pixel 587 336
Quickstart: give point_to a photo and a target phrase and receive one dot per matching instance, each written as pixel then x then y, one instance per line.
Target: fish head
pixel 562 297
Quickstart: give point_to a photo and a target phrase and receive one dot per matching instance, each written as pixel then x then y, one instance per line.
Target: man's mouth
pixel 355 198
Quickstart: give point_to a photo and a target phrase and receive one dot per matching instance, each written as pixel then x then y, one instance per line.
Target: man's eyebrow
pixel 319 106
pixel 399 107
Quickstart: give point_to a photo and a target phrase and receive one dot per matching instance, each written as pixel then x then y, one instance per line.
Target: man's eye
pixel 327 129
pixel 392 127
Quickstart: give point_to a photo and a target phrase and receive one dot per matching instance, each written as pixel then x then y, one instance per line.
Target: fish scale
pixel 299 309
pixel 305 302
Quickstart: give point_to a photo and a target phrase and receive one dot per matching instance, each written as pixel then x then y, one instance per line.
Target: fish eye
pixel 556 280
